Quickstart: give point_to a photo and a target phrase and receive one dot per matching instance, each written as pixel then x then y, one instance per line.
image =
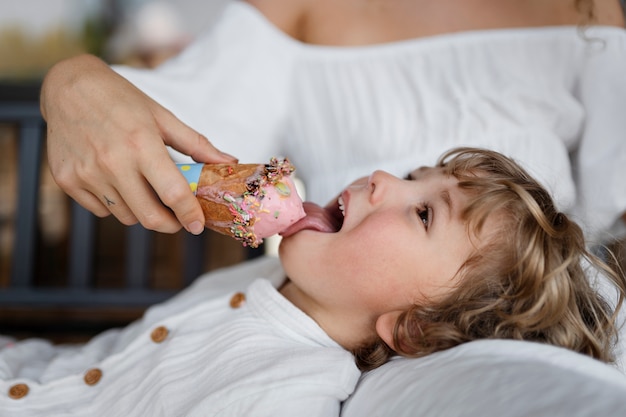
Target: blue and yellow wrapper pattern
pixel 191 172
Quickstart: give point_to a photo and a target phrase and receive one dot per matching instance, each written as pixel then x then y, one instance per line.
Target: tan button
pixel 92 376
pixel 159 334
pixel 237 300
pixel 18 391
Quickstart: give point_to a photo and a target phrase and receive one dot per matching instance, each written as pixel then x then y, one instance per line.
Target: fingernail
pixel 196 228
pixel 229 156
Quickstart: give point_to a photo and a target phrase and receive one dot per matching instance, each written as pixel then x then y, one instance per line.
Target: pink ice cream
pixel 279 208
pixel 249 201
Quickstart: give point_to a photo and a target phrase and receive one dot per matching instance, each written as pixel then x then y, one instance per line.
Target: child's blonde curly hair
pixel 528 281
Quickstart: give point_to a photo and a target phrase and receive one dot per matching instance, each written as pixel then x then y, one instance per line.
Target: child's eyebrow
pixel 445 196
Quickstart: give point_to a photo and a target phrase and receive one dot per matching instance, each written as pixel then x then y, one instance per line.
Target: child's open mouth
pixel 327 219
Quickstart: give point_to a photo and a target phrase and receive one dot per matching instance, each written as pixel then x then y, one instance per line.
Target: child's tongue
pixel 317 218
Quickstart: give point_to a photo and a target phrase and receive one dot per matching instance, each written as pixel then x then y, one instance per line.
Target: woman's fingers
pixel 106 147
pixel 173 191
pixel 92 203
pixel 105 203
pixel 165 179
pixel 142 205
pixel 160 197
pixel 187 141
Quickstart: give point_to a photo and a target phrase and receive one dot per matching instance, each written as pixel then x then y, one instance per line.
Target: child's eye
pixel 424 214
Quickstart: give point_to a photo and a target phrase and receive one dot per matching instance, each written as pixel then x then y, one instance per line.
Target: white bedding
pixel 492 378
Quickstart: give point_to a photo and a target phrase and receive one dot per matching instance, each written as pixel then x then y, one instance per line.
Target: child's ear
pixel 385 325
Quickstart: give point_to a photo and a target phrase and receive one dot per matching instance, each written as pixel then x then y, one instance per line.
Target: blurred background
pixel 35 34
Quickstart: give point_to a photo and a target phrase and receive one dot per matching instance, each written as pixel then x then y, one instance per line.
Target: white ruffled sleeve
pixel 600 161
pixel 231 85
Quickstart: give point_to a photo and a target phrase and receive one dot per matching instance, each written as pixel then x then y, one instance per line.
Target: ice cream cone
pixel 234 197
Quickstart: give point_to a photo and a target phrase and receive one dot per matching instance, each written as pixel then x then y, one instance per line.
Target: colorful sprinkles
pixel 243 208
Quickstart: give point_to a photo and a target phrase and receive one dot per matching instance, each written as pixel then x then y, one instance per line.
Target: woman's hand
pixel 106 148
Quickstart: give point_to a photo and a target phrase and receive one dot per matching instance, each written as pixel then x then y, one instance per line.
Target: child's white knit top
pixel 207 352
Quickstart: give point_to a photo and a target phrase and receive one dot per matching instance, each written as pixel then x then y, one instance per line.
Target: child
pixel 470 249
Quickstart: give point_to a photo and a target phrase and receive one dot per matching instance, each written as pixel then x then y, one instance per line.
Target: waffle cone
pixel 215 181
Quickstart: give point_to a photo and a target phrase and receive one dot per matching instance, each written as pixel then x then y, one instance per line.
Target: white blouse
pixel 552 98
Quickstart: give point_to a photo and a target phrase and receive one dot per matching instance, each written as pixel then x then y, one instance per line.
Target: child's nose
pixel 381 184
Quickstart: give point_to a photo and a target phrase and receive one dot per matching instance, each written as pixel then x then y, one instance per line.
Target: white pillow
pixel 492 378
